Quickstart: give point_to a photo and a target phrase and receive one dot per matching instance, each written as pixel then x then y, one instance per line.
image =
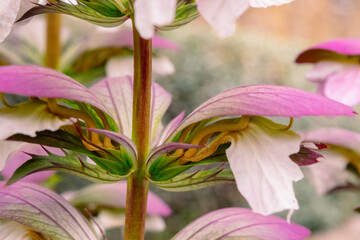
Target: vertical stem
pixel 53 45
pixel 138 185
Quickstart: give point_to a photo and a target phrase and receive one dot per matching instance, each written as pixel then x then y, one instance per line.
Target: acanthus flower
pixel 226 128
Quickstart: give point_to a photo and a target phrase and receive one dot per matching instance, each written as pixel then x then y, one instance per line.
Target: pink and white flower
pixel 336 69
pixel 259 148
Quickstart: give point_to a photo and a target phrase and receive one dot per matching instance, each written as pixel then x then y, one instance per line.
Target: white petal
pixel 268 3
pixel 8 12
pixel 124 66
pixel 162 66
pixel 328 173
pixel 110 219
pixel 10 230
pixel 28 118
pixel 120 66
pixel 264 173
pixel 222 14
pixel 151 13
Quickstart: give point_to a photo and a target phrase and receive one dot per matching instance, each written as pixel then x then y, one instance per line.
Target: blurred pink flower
pixel 336 69
pixel 330 172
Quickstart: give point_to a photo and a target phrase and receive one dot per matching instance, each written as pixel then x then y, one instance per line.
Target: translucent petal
pixel 264 173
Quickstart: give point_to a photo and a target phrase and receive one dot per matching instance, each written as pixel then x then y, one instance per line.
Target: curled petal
pixel 8 12
pixel 264 173
pixel 265 100
pixel 222 14
pixel 121 139
pixel 36 81
pixel 43 211
pixel 268 3
pixel 28 118
pixel 151 13
pixel 240 223
pixel 330 50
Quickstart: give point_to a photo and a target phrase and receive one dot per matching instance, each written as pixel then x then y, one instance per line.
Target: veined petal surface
pixel 265 100
pixel 117 94
pixel 151 13
pixel 28 118
pixel 222 14
pixel 8 12
pixel 36 81
pixel 241 223
pixel 43 211
pixel 264 173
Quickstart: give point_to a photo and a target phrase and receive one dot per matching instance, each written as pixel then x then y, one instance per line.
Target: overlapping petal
pixel 21 156
pixel 240 223
pixel 151 13
pixel 39 81
pixel 344 86
pixel 26 118
pixel 330 50
pixel 43 211
pixel 264 173
pixel 117 95
pixel 8 12
pixel 265 100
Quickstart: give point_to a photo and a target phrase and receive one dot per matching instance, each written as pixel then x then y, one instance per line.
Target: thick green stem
pixel 138 185
pixel 53 44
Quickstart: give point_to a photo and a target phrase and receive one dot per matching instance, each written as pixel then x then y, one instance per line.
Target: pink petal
pixel 265 100
pixel 39 81
pixel 117 94
pixel 239 223
pixel 344 86
pixel 21 156
pixel 171 127
pixel 334 136
pixel 322 51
